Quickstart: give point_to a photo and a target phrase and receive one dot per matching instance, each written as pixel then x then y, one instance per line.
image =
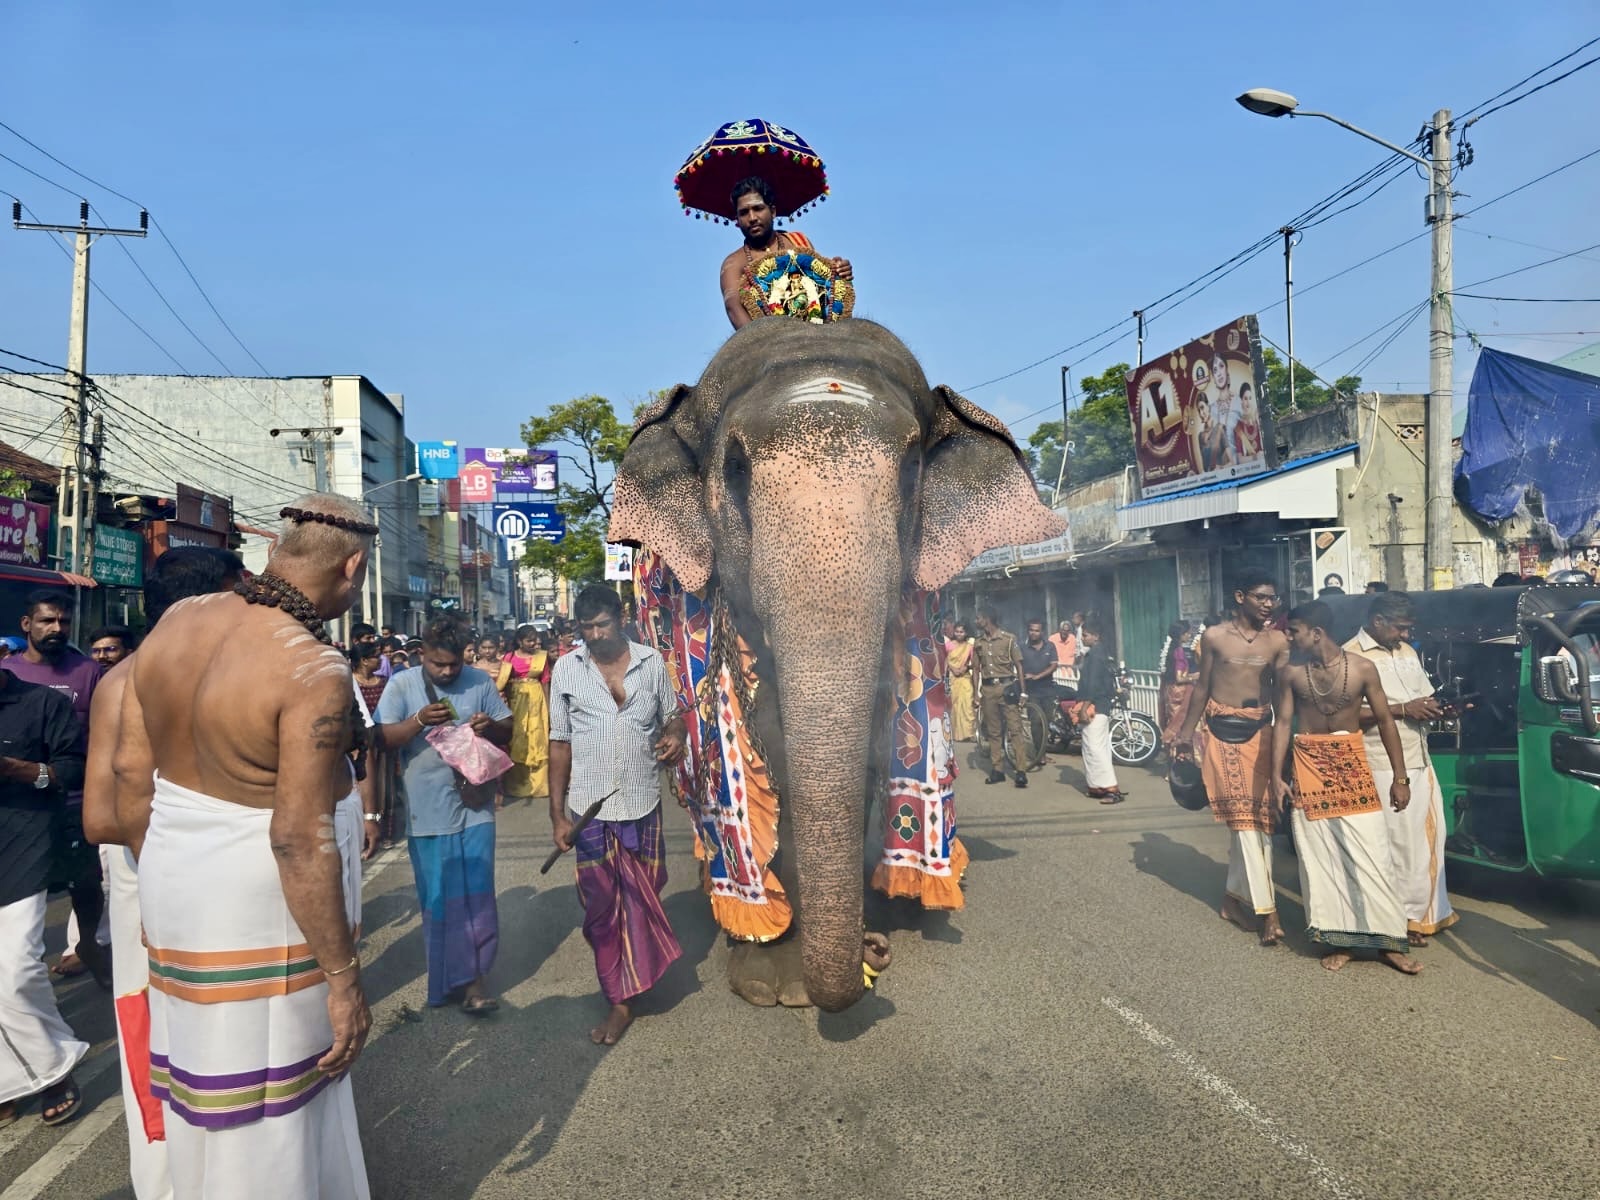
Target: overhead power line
pixel 1531 299
pixel 1527 79
pixel 1517 99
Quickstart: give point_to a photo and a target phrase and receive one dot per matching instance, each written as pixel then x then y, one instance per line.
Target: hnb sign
pixel 438 460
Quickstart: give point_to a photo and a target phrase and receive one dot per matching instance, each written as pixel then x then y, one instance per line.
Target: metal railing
pixel 1146 690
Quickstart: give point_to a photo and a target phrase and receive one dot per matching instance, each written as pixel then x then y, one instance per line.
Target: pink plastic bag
pixel 476 760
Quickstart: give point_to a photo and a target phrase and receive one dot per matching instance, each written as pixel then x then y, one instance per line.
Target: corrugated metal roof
pixel 1228 484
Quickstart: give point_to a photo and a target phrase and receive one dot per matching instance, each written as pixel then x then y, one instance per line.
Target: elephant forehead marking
pixel 824 388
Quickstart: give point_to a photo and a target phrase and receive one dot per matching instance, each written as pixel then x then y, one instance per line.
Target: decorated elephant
pixel 799 507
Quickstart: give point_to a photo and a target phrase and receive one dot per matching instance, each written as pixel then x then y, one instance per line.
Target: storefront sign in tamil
pixel 118 557
pixel 1200 413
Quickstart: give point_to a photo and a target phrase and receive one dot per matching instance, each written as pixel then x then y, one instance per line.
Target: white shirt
pixel 613 746
pixel 1404 679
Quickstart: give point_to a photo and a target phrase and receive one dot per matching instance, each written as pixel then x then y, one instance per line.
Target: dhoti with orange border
pixel 239 1009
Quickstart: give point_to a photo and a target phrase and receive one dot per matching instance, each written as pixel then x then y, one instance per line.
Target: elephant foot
pixel 753 974
pixel 791 974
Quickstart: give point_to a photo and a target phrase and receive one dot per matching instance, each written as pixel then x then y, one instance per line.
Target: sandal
pixel 480 1006
pixel 68 1100
pixel 1111 798
pixel 70 967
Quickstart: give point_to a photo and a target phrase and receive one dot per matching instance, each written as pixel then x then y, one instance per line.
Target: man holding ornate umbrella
pixel 753 173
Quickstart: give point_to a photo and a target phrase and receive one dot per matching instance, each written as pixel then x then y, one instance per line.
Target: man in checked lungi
pixel 613 724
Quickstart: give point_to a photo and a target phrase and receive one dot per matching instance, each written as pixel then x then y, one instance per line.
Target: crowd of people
pixel 224 814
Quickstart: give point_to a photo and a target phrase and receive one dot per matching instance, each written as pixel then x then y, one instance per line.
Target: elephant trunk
pixel 825 576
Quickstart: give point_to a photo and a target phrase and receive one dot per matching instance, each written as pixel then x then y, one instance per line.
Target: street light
pixel 377 543
pixel 1269 102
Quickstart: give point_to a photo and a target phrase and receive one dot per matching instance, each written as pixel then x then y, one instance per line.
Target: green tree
pixel 1100 432
pixel 1310 393
pixel 588 427
pixel 12 485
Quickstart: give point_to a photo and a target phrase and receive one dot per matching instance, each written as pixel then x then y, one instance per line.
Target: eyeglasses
pixel 1263 597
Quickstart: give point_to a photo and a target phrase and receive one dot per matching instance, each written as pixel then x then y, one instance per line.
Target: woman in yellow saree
pixel 524 676
pixel 963 720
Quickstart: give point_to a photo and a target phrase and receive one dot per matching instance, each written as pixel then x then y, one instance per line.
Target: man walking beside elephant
pixel 613 724
pixel 999 673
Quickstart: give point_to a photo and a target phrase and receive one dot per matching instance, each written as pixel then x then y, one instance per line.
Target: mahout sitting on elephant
pixel 802 501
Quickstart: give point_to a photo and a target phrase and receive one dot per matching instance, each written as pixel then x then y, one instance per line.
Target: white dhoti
pixel 1099 770
pixel 1250 870
pixel 1416 846
pixel 238 1010
pixel 37 1049
pixel 1344 871
pixel 130 982
pixel 1345 866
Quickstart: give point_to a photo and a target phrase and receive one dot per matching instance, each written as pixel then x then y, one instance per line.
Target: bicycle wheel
pixel 1027 752
pixel 1134 738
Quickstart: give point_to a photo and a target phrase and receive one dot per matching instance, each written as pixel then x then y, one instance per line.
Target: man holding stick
pixel 613 724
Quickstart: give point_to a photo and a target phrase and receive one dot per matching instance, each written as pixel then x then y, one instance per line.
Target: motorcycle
pixel 1135 738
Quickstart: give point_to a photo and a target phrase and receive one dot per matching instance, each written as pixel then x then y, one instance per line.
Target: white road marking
pixel 80 1135
pixel 91 1066
pixel 1264 1125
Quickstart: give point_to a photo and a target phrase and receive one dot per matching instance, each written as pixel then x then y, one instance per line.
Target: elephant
pixel 810 475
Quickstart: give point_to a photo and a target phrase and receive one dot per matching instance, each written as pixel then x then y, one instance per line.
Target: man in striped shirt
pixel 613 725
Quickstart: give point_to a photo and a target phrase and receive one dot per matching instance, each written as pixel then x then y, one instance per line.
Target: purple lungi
pixel 622 867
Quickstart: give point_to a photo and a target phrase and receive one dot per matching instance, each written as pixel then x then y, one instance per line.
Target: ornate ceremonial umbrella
pixel 744 148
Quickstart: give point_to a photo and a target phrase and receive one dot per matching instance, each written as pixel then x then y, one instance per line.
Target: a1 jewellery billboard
pixel 1200 413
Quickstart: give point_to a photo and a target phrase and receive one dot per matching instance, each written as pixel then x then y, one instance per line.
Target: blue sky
pixel 473 205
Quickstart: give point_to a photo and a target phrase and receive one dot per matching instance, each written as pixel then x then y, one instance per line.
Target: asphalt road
pixel 1087 1026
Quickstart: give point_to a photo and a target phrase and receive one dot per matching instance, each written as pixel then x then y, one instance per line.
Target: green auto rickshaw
pixel 1518 749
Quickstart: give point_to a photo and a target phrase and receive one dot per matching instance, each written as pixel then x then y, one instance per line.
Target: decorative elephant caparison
pixel 809 479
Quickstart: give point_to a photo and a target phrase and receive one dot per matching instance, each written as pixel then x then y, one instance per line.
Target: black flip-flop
pixel 1112 798
pixel 69 1096
pixel 480 1006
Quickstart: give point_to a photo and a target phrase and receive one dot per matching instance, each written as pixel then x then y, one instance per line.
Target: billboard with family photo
pixel 1200 413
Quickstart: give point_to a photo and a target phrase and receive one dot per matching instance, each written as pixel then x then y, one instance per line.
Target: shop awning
pixel 1301 489
pixel 37 575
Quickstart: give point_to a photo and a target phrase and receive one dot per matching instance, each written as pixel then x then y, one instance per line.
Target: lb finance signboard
pixel 1200 413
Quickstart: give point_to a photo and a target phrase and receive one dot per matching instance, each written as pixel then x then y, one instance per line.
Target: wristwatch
pixel 371 817
pixel 1406 781
pixel 43 780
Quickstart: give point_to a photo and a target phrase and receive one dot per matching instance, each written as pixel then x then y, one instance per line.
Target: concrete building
pixel 263 442
pixel 1348 499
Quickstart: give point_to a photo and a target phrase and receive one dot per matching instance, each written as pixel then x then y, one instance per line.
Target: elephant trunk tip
pixel 835 994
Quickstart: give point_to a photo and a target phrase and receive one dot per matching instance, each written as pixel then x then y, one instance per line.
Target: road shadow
pixel 897 915
pixel 983 850
pixel 1198 876
pixel 689 913
pixel 480 1097
pixel 1553 952
pixel 854 1021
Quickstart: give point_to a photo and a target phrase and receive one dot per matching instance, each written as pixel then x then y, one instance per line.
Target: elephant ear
pixel 659 496
pixel 977 492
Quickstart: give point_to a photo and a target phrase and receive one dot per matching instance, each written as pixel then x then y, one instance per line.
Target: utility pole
pixel 75 511
pixel 1139 315
pixel 1441 364
pixel 1288 232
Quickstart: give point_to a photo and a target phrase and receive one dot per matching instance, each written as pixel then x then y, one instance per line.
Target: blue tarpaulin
pixel 1530 424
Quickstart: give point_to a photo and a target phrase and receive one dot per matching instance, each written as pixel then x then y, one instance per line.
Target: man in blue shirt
pixel 450 830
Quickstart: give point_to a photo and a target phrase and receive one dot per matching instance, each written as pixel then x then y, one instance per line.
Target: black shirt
pixel 1096 682
pixel 1035 660
pixel 37 724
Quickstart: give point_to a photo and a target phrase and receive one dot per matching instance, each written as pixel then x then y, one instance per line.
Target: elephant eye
pixel 736 475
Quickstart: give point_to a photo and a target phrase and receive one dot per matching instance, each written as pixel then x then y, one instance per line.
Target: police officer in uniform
pixel 999 670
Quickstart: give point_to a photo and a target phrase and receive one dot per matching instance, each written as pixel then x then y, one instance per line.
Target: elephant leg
pixel 753 973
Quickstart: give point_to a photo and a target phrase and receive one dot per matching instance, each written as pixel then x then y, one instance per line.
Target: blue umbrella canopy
pixel 744 148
